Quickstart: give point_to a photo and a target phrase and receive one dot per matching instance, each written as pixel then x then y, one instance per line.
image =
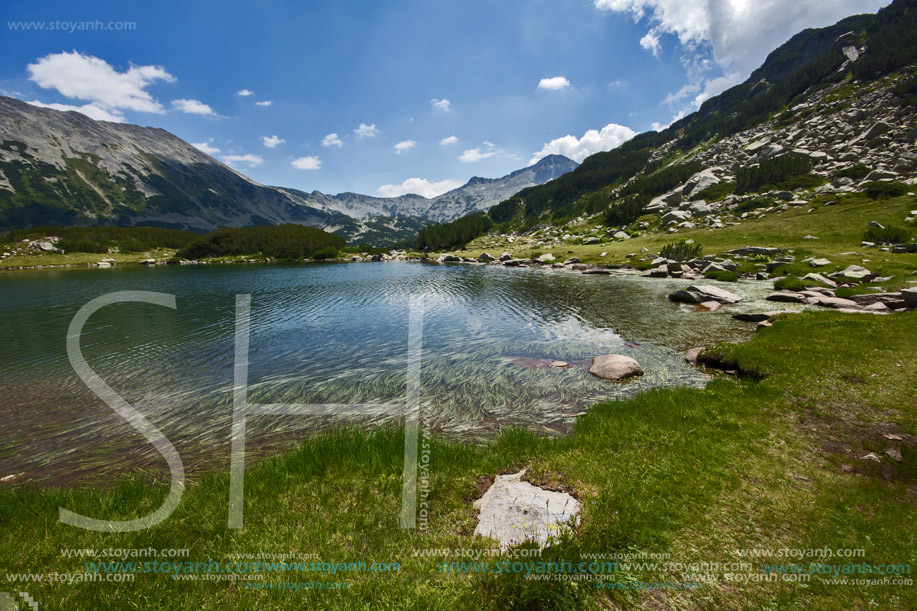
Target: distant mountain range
pixel 63 168
pixel 477 194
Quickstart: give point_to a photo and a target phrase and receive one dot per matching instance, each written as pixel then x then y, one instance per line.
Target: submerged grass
pixel 697 474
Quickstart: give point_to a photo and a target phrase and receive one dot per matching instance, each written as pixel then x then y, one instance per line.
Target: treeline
pixel 105 239
pixel 663 180
pixel 276 241
pixel 771 173
pixel 459 231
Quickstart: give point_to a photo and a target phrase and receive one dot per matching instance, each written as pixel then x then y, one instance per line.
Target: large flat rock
pixel 513 511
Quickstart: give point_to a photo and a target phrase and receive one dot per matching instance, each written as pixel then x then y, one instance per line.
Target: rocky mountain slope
pixel 477 194
pixel 832 109
pixel 63 168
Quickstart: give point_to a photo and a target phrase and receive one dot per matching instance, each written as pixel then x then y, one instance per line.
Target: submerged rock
pixel 615 367
pixel 513 511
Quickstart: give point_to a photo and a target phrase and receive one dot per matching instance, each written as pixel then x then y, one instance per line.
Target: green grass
pixel 790 283
pixel 722 276
pixel 697 474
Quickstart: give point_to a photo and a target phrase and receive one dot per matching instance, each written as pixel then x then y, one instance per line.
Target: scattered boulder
pixel 855 272
pixel 621 235
pixel 819 262
pixel 442 259
pixel 910 297
pixel 47 247
pixel 819 278
pixel 832 302
pixel 674 217
pixel 786 297
pixel 505 256
pixel 700 294
pixel 558 364
pixel 545 258
pixel 692 354
pixel 486 257
pixel 571 261
pixel 615 367
pixel 513 511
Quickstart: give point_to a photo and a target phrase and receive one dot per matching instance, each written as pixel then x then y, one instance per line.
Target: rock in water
pixel 615 367
pixel 513 511
pixel 700 294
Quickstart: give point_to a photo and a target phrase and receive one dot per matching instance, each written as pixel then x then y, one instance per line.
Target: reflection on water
pixel 334 333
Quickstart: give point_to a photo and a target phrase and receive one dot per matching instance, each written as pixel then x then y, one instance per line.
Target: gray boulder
pixel 513 511
pixel 910 297
pixel 615 367
pixel 786 297
pixel 700 294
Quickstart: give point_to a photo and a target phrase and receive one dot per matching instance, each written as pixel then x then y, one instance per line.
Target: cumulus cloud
pixel 84 77
pixel 249 159
pixel 403 146
pixel 443 104
pixel 205 147
pixel 478 153
pixel 448 140
pixel 307 163
pixel 193 107
pixel 593 141
pixel 264 103
pixel 737 34
pixel 90 110
pixel 245 92
pixel 555 83
pixel 366 131
pixel 332 140
pixel 419 186
pixel 272 141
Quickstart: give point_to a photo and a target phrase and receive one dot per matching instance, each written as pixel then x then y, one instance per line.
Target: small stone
pixel 872 457
pixel 819 262
pixel 558 364
pixel 894 454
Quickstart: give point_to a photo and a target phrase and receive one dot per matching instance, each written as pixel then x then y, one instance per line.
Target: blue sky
pixel 419 95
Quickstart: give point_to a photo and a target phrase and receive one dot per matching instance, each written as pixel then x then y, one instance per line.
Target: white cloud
pixel 593 141
pixel 443 104
pixel 477 154
pixel 738 34
pixel 307 163
pixel 419 186
pixel 205 147
pixel 272 141
pixel 89 78
pixel 366 131
pixel 193 107
pixel 251 160
pixel 90 110
pixel 448 140
pixel 658 127
pixel 403 146
pixel 245 92
pixel 555 83
pixel 264 103
pixel 650 42
pixel 332 140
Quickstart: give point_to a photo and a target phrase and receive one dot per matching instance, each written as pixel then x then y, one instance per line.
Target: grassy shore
pixel 839 227
pixel 697 474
